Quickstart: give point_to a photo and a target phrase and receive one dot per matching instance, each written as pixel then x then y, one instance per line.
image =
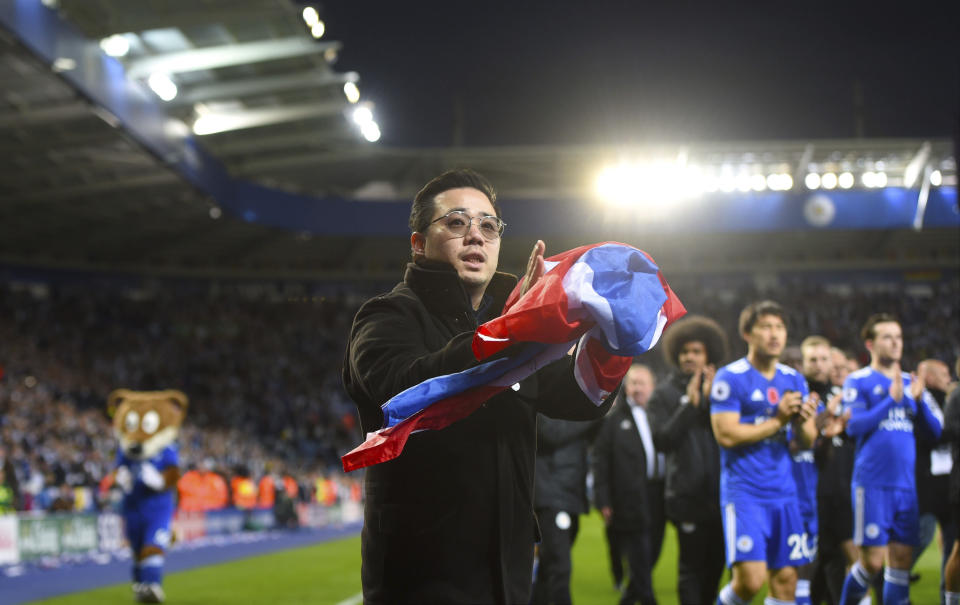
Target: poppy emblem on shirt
pixel 773 395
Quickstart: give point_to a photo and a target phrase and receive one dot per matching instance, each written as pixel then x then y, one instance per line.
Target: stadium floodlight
pixel 869 179
pixel 362 115
pixel 116 45
pixel 812 180
pixel 352 92
pixel 654 186
pixel 744 182
pixel 728 182
pixel 758 182
pixel 845 180
pixel 215 212
pixel 936 178
pixel 370 131
pixel 828 180
pixel 780 181
pixel 163 86
pixel 318 29
pixel 210 123
pixel 881 179
pixel 310 16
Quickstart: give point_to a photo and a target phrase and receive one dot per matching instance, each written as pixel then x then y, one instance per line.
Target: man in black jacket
pixel 680 417
pixel 560 497
pixel 624 460
pixel 833 455
pixel 451 519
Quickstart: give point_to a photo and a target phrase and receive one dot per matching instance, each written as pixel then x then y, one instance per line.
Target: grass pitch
pixel 329 573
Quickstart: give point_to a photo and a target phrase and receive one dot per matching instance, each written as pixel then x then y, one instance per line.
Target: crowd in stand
pixel 261 368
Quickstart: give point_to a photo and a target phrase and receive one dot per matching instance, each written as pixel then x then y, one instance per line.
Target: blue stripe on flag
pixel 628 280
pixel 409 402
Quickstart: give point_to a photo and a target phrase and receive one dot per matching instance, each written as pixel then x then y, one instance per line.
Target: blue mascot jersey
pixel 143 498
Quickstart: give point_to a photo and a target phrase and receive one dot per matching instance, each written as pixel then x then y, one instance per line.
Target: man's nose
pixel 473 232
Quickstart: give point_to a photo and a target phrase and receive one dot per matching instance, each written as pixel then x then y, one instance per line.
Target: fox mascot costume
pixel 146 424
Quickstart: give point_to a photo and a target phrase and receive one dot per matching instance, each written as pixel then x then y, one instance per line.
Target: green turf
pixel 330 574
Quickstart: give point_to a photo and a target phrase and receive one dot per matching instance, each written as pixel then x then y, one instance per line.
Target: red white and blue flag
pixel 609 299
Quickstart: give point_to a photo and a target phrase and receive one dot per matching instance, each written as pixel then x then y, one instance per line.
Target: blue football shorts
pixel 884 514
pixel 772 532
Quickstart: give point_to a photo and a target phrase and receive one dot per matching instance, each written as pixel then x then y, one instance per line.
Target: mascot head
pixel 145 422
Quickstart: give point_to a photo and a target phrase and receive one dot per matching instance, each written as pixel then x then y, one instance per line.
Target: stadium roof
pixel 101 172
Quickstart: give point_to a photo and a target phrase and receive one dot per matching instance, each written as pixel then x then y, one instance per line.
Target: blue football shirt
pixel 761 470
pixel 885 454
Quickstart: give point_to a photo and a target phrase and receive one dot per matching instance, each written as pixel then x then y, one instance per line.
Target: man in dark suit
pixel 624 463
pixel 560 497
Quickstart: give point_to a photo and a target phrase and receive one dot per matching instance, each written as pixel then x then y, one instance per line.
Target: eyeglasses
pixel 458 223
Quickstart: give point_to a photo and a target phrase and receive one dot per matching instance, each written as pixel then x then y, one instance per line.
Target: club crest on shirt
pixel 744 543
pixel 878 390
pixel 773 395
pixel 872 531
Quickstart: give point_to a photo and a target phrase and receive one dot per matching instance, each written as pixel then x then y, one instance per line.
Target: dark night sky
pixel 632 72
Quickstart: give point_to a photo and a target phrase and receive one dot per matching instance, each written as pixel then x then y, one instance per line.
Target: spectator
pixel 680 420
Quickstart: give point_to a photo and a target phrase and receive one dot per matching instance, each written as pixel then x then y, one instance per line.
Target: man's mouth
pixel 473 260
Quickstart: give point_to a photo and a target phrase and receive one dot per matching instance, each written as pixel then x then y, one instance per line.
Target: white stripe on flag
pixel 661 323
pixel 578 286
pixel 583 371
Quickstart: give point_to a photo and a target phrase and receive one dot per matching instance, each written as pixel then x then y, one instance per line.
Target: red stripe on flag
pixel 388 443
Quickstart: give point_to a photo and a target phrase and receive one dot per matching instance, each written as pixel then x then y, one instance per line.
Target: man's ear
pixel 417 243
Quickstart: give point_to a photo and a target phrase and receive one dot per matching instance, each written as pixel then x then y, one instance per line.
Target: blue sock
pixel 855 586
pixel 136 573
pixel 728 597
pixel 152 569
pixel 896 586
pixel 803 592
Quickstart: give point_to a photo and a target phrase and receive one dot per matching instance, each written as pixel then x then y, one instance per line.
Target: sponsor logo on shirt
pixel 897 420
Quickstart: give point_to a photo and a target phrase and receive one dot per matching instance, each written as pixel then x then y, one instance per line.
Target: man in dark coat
pixel 560 497
pixel 680 419
pixel 451 519
pixel 623 463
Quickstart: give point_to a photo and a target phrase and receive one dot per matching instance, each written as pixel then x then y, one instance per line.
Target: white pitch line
pixel 354 600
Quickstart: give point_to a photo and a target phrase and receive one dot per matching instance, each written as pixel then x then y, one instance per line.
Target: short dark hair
pixel 869 331
pixel 422 210
pixel 695 328
pixel 755 310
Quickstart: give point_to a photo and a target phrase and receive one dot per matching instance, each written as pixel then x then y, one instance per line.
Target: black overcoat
pixel 451 519
pixel 620 470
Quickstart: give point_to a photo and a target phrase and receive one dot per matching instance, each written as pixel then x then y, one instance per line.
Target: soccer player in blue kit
pixel 757 406
pixel 884 403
